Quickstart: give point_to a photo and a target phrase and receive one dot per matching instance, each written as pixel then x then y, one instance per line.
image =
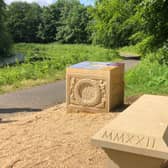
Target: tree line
pixel 128 22
pixel 5 40
pixel 110 23
pixel 65 21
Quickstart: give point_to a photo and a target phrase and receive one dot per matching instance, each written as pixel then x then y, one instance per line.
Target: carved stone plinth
pixel 94 86
pixel 137 138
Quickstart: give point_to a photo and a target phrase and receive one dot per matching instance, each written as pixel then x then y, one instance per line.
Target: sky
pixel 48 2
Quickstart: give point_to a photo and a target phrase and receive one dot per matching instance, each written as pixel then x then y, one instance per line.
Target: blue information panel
pixel 93 65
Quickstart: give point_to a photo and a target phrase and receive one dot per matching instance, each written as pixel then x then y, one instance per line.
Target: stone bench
pixel 138 137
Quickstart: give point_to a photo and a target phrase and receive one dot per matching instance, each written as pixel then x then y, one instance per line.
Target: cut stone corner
pixel 138 137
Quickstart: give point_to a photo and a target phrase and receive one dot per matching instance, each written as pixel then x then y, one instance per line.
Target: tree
pixel 154 14
pixel 73 21
pixel 49 22
pixel 113 24
pixel 65 21
pixel 23 21
pixel 5 40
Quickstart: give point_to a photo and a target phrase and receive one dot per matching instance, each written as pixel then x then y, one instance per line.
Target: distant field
pixel 47 62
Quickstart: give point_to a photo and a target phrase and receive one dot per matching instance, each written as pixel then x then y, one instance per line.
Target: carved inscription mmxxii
pixel 127 138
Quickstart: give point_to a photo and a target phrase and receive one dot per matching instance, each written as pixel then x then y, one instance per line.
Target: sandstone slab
pixel 94 86
pixel 138 137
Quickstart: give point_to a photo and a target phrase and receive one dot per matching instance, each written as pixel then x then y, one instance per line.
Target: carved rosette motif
pixel 88 92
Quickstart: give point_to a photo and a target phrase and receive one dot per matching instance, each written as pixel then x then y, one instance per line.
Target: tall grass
pixel 129 51
pixel 47 62
pixel 68 54
pixel 148 77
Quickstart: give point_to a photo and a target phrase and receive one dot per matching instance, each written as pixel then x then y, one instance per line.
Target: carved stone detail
pixel 88 92
pixel 127 138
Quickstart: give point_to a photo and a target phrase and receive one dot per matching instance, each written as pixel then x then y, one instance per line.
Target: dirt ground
pixel 52 139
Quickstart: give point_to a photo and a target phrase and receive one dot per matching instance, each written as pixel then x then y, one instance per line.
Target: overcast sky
pixel 48 2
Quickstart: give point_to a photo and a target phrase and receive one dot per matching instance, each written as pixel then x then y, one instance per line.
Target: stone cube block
pixel 94 86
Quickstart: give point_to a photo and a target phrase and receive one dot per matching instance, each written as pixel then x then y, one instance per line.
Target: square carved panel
pixel 88 92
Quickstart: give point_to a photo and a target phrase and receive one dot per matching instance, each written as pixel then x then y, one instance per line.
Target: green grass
pixel 148 77
pixel 47 62
pixel 129 51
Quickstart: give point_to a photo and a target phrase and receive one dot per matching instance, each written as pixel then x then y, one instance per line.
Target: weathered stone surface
pixel 139 136
pixel 94 86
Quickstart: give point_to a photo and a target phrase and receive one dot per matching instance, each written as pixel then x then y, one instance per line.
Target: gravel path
pixel 39 97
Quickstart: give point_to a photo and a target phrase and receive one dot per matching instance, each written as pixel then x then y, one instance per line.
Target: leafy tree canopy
pixel 113 23
pixel 23 21
pixel 73 22
pixel 5 40
pixel 155 17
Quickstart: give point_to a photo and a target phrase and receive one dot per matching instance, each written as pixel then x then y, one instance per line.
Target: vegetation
pixel 133 27
pixel 131 50
pixel 113 23
pixel 110 23
pixel 47 62
pixel 155 20
pixel 147 77
pixel 142 28
pixel 151 74
pixel 73 23
pixel 23 20
pixel 5 41
pixel 118 23
pixel 65 21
